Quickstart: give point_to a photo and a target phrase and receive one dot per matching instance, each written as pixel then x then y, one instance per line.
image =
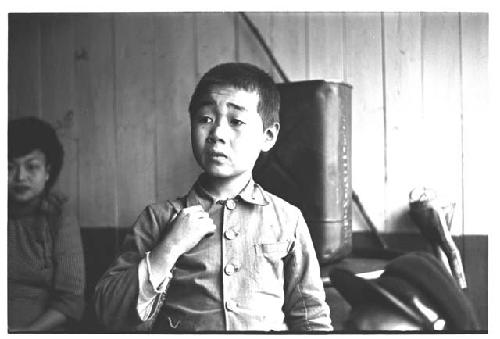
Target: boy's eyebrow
pixel 236 107
pixel 207 102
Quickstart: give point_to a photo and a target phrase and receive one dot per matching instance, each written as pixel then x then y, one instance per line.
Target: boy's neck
pixel 224 188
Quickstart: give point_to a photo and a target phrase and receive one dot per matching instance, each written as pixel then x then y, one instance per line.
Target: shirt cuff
pixel 158 283
pixel 150 287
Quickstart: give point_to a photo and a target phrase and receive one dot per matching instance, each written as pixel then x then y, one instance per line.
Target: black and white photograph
pixel 249 171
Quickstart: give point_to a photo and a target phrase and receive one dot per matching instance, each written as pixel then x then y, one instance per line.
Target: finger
pixel 197 214
pixel 203 215
pixel 191 209
pixel 206 225
pixel 210 230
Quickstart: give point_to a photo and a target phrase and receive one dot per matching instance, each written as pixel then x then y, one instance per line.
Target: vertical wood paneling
pixel 175 79
pixel 476 134
pixel 24 65
pixel 135 114
pixel 363 66
pixel 216 40
pixel 58 96
pixel 117 87
pixel 288 43
pixel 404 128
pixel 95 96
pixel 441 163
pixel 475 114
pixel 326 48
pixel 249 48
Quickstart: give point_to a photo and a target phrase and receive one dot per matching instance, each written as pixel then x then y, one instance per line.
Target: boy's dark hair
pixel 30 133
pixel 246 77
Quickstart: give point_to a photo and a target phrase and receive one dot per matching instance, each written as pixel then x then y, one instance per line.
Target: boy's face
pixel 227 133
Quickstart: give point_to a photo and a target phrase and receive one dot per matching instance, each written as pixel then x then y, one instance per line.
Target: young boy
pixel 228 256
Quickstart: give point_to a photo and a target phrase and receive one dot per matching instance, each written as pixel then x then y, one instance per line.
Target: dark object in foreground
pixel 414 293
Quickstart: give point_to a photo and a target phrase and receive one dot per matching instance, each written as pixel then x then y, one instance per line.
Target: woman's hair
pixel 30 133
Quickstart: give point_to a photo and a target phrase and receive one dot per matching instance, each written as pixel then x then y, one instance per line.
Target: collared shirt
pixel 258 271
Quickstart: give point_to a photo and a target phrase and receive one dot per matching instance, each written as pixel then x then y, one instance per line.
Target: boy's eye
pixel 204 119
pixel 237 122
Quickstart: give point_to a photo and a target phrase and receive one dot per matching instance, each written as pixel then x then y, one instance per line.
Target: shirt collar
pixel 252 193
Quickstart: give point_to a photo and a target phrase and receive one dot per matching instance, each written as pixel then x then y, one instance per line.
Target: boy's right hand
pixel 189 227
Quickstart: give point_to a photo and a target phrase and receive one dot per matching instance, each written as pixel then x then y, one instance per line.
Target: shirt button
pixel 230 204
pixel 229 269
pixel 230 234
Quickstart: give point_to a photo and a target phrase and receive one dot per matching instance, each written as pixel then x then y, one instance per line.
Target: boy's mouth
pixel 214 154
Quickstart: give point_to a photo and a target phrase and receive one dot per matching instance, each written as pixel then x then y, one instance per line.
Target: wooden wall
pixel 117 87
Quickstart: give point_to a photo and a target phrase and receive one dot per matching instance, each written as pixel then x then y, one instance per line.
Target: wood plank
pixel 135 119
pixel 325 36
pixel 95 96
pixel 475 122
pixel 477 132
pixel 404 127
pixel 288 43
pixel 248 47
pixel 58 96
pixel 24 65
pixel 215 40
pixel 441 158
pixel 363 67
pixel 175 80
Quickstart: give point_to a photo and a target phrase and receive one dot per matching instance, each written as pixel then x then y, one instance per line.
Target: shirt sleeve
pixel 69 271
pixel 118 291
pixel 305 302
pixel 151 291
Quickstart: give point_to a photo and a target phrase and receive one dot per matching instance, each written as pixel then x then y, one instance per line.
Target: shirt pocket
pixel 272 251
pixel 267 273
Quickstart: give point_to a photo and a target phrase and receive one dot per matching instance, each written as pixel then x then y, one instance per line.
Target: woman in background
pixel 45 256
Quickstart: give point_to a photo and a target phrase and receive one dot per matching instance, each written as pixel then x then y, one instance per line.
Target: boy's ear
pixel 271 136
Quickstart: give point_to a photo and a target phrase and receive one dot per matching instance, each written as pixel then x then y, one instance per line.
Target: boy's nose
pixel 219 131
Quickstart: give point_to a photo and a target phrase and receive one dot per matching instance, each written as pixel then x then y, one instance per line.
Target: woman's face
pixel 28 175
